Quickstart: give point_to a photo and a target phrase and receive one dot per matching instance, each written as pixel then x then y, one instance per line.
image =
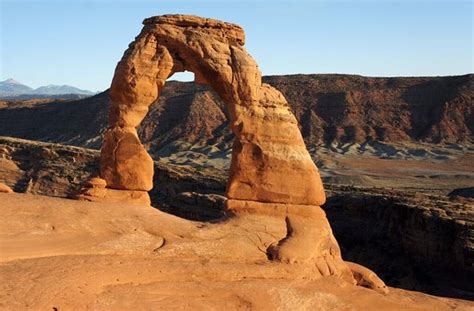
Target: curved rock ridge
pixel 271 170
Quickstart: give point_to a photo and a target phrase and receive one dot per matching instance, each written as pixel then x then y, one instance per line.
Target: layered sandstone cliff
pixel 329 108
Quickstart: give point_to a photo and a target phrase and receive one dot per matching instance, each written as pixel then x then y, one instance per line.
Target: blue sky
pixel 80 42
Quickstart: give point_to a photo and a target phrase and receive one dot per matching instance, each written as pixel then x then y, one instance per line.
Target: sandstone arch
pixel 271 170
pixel 270 162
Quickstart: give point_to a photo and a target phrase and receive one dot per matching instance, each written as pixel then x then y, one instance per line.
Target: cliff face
pixel 329 108
pixel 354 108
pixel 78 123
pixel 431 238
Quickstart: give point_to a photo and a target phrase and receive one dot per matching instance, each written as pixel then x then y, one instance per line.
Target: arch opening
pixel 184 76
pixel 188 125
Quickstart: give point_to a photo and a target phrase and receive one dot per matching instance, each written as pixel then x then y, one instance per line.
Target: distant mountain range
pixel 11 88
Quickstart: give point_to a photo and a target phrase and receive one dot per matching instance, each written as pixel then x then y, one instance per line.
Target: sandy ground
pixel 59 254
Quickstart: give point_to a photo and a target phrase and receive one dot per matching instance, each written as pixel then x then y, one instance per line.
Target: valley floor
pixel 60 254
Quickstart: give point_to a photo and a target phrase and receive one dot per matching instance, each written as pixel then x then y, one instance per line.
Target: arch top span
pixel 228 30
pixel 269 163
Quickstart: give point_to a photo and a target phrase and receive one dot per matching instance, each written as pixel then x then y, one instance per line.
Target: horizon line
pixel 263 75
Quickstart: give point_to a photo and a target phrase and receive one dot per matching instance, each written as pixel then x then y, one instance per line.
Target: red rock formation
pixel 271 170
pixel 309 238
pixel 349 108
pixel 268 149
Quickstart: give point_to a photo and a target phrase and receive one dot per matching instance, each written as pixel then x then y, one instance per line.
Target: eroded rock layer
pixel 400 109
